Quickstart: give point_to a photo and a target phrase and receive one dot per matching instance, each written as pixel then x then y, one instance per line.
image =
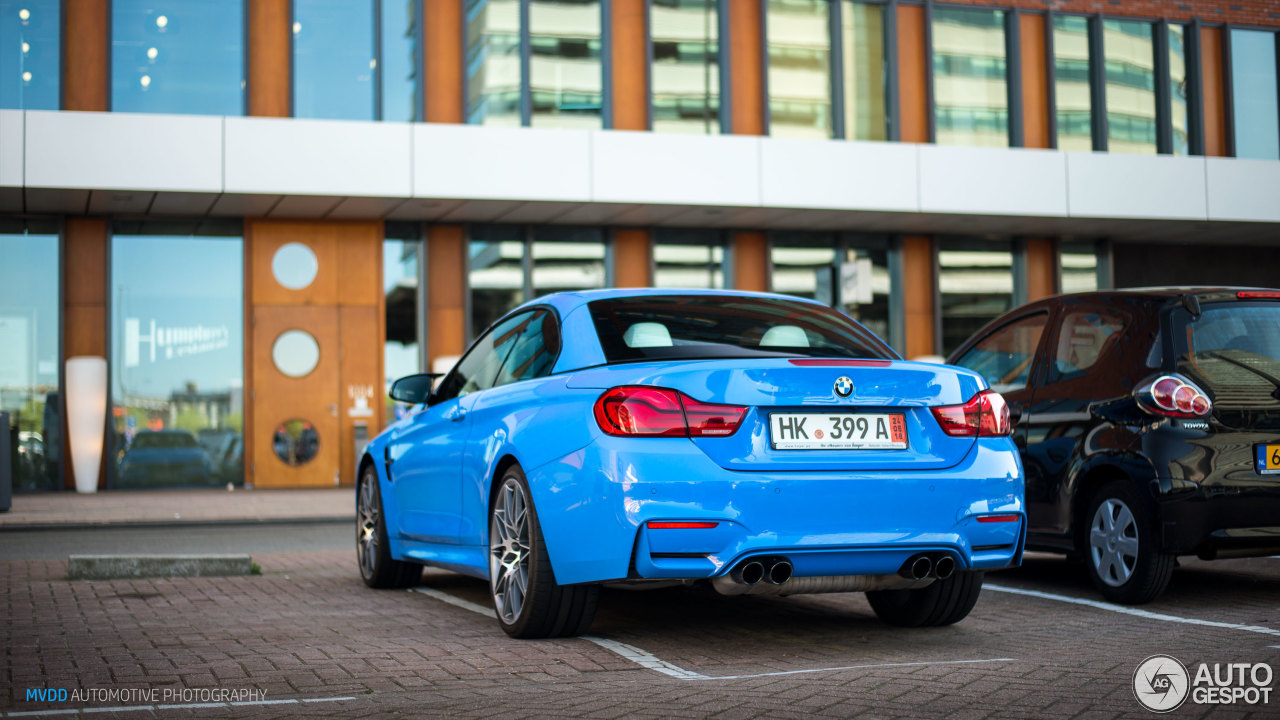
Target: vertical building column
pixel 746 47
pixel 913 103
pixel 446 292
pixel 85 57
pixel 270 58
pixel 1213 92
pixel 631 257
pixel 443 33
pixel 1039 267
pixel 1035 81
pixel 919 283
pixel 84 309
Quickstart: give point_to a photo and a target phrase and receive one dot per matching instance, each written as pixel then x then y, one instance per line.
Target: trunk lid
pixel 768 386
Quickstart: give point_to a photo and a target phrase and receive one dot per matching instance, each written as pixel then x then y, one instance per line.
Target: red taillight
pixel 673 525
pixel 998 518
pixel 1258 295
pixel 1174 397
pixel 635 410
pixel 985 415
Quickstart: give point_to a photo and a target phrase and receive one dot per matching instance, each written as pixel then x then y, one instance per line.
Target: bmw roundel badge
pixel 844 386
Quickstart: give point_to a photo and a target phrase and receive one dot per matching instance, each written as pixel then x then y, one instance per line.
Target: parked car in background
pixel 758 443
pixel 159 458
pixel 1149 426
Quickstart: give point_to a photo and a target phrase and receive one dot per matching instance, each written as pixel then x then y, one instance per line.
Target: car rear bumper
pixel 594 507
pixel 1222 522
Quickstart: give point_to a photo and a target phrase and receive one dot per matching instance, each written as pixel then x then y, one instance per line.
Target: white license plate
pixel 838 431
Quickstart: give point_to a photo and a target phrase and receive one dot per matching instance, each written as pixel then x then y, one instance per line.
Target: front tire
pixel 944 602
pixel 377 568
pixel 1121 547
pixel 526 598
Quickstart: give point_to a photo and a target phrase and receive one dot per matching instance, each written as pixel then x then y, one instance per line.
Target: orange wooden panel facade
pixel 913 106
pixel 750 261
pixel 1212 82
pixel 746 55
pixel 632 266
pixel 1035 81
pixel 86 55
pixel 630 65
pixel 918 287
pixel 270 30
pixel 1041 269
pixel 446 291
pixel 442 61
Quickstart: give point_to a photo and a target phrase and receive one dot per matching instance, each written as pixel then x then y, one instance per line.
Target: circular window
pixel 295 442
pixel 295 353
pixel 294 265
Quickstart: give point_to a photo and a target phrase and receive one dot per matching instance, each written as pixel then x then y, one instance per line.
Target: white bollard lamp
pixel 86 393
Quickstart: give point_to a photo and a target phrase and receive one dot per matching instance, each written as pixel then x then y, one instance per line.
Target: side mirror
pixel 413 389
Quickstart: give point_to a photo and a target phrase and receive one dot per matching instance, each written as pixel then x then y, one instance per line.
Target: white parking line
pixel 649 661
pixel 182 706
pixel 1125 610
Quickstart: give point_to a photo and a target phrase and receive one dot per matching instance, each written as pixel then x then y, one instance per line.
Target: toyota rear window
pixel 684 327
pixel 1235 351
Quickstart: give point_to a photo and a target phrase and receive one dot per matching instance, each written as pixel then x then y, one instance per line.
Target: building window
pixel 1072 77
pixel 177 359
pixel 971 97
pixel 975 279
pixel 863 71
pixel 399 60
pixel 1255 112
pixel 493 62
pixel 1079 268
pixel 333 59
pixel 400 252
pixel 848 272
pixel 685 73
pixel 799 77
pixel 511 264
pixel 177 57
pixel 30 304
pixel 691 259
pixel 1179 90
pixel 30 34
pixel 1130 86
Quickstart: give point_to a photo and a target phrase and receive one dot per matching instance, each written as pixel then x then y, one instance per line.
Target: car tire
pixel 526 598
pixel 373 555
pixel 942 602
pixel 1121 546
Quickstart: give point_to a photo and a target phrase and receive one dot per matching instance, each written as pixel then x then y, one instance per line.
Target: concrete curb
pixel 114 567
pixel 230 522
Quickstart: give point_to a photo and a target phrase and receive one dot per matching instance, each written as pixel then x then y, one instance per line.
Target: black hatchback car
pixel 1149 425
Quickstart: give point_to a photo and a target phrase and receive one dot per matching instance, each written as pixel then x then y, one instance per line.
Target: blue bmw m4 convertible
pixel 758 443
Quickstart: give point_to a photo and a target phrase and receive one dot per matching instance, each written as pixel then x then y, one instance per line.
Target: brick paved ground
pixel 169 506
pixel 307 628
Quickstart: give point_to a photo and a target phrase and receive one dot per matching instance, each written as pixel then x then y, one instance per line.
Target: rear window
pixel 1234 349
pixel 726 326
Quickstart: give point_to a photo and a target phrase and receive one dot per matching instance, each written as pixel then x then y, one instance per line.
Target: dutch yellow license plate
pixel 1268 459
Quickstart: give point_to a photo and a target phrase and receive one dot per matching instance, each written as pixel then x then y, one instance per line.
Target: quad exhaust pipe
pixel 939 566
pixel 771 570
pixel 771 575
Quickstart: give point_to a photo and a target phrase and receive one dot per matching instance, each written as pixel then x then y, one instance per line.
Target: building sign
pixel 169 342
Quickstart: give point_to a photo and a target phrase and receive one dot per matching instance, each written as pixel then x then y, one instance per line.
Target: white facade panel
pixel 1243 189
pixel 1136 186
pixel 123 151
pixel 11 150
pixel 466 161
pixel 992 181
pixel 317 157
pixel 639 167
pixel 831 174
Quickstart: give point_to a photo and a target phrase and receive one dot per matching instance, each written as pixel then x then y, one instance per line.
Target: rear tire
pixel 526 598
pixel 377 568
pixel 944 602
pixel 1121 546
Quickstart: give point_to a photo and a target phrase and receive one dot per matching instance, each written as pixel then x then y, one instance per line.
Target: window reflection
pixel 1179 88
pixel 1253 91
pixel 848 272
pixel 862 37
pixel 1079 265
pixel 400 288
pixel 29 363
pixel 333 59
pixel 398 60
pixel 686 66
pixel 31 48
pixel 493 62
pixel 799 80
pixel 177 359
pixel 565 72
pixel 171 57
pixel 1131 86
pixel 804 264
pixel 970 91
pixel 1071 86
pixel 496 276
pixel 567 259
pixel 975 280
pixel 688 259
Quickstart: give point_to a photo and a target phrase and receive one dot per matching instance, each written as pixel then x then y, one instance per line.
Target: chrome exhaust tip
pixel 917 568
pixel 944 568
pixel 749 573
pixel 780 572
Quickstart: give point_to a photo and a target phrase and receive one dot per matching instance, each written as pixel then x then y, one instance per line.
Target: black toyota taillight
pixel 1173 396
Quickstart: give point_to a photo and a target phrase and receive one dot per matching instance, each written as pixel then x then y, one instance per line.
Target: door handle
pixel 459 416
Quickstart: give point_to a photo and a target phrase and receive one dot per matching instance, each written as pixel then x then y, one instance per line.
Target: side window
pixel 1005 357
pixel 478 369
pixel 530 348
pixel 1084 337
